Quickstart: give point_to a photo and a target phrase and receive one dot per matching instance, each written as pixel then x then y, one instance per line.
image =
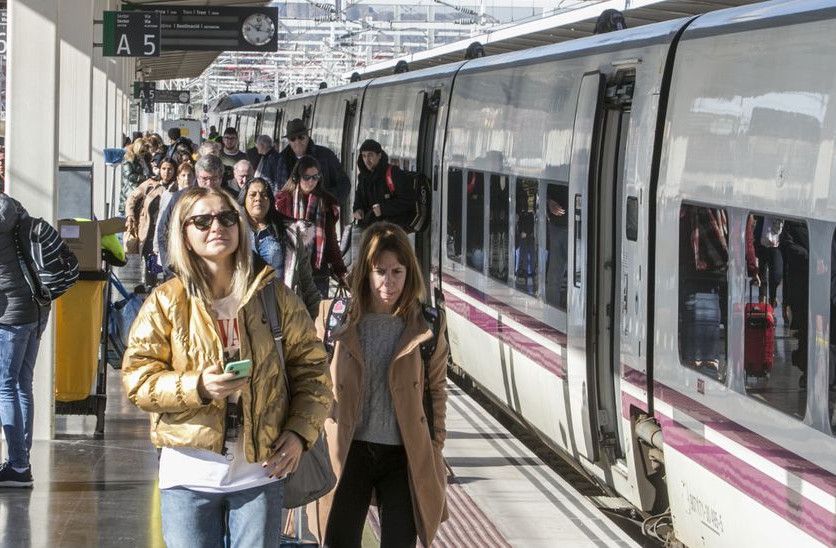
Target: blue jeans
pixel 18 351
pixel 252 517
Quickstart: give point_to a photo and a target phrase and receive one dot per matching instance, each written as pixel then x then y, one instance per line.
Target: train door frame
pixel 605 264
pixel 425 165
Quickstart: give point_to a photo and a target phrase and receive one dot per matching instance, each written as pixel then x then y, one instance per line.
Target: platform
pixel 103 492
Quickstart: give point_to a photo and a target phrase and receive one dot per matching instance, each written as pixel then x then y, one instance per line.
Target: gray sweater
pixel 379 336
pixel 16 304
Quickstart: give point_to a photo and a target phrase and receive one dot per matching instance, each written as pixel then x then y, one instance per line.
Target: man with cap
pixel 335 181
pixel 375 199
pixel 230 154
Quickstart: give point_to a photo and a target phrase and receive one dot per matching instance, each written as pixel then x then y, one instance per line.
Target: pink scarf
pixel 313 212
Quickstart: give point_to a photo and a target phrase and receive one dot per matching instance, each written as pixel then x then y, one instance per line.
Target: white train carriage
pixel 561 178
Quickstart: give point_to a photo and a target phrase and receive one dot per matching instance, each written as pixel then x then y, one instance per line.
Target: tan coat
pixel 174 338
pixel 137 208
pixel 427 473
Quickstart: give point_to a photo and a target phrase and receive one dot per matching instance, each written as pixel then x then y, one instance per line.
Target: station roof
pixel 574 22
pixel 184 64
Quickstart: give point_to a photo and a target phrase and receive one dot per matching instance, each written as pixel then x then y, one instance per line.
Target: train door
pixel 425 166
pixel 349 141
pixel 601 123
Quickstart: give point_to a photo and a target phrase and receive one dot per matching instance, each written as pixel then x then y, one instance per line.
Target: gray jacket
pixel 16 304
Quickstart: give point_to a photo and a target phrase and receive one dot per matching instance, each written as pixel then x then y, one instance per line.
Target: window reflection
pixel 454 215
pixel 525 253
pixel 475 214
pixel 557 244
pixel 498 229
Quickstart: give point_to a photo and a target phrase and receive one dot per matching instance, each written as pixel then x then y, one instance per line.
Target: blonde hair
pixel 188 266
pixel 377 239
pixel 136 149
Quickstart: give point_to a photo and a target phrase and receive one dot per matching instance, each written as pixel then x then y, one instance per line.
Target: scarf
pixel 313 212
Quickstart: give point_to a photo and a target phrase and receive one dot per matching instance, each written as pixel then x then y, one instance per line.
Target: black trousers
pixel 382 468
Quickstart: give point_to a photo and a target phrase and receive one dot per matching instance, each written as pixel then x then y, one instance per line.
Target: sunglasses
pixel 203 222
pixel 314 177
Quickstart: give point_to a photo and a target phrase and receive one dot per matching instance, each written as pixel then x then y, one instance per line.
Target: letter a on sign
pixel 123 47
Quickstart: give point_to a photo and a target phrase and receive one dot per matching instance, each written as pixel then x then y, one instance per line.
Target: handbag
pixel 314 477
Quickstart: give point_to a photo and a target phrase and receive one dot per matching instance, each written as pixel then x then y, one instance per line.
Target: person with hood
pixel 334 179
pixel 227 439
pixel 384 191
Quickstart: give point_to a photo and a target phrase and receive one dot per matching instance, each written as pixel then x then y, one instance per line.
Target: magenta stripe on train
pixel 548 359
pixel 756 443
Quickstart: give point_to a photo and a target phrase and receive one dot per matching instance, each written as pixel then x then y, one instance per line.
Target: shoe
pixel 9 477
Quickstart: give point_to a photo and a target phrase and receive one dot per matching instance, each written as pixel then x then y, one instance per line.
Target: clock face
pixel 184 97
pixel 258 29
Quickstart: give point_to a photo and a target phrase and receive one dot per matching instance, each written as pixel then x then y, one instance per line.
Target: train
pixel 560 177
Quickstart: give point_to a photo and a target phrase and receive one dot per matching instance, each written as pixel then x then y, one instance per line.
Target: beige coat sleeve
pixel 307 368
pixel 437 373
pixel 148 376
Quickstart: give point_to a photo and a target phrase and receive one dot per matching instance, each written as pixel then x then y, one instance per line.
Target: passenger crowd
pixel 230 237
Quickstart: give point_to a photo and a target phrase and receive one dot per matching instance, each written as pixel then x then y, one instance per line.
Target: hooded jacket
pixel 174 338
pixel 427 472
pixel 334 179
pixel 397 207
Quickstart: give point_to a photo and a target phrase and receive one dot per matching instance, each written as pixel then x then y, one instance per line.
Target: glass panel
pixel 454 215
pixel 475 214
pixel 268 124
pixel 703 289
pixel 525 253
pixel 498 228
pixel 775 351
pixel 557 244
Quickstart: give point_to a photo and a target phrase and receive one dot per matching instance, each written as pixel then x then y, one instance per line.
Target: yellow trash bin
pixel 78 330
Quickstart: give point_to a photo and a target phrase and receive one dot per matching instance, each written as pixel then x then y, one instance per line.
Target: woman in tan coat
pixel 379 434
pixel 227 439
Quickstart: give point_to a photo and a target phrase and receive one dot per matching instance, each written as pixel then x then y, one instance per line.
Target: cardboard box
pixel 84 239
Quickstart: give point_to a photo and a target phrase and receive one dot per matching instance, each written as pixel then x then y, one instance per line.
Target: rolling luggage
pixel 759 338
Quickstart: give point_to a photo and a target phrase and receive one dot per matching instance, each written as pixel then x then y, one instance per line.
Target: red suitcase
pixel 759 338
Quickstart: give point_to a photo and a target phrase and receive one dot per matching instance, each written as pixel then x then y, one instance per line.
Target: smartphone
pixel 241 368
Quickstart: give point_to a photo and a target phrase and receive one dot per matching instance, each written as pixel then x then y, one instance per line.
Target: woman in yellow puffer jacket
pixel 226 440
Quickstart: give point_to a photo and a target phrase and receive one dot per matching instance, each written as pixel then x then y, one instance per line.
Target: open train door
pixel 425 166
pixel 579 370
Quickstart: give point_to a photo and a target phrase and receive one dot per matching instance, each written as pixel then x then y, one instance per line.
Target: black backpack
pixel 48 265
pixel 423 198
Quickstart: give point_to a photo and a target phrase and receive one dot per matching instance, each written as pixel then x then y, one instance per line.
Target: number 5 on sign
pixel 131 34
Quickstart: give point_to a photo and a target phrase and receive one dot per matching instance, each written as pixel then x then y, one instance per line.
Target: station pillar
pixel 32 147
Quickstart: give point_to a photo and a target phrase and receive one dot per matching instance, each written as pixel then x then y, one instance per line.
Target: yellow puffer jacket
pixel 173 339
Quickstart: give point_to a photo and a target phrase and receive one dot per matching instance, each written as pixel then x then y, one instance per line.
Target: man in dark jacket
pixel 265 161
pixel 335 181
pixel 375 200
pixel 21 324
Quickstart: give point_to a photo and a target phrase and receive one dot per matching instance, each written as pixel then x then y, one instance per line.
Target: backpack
pixel 423 198
pixel 337 312
pixel 48 265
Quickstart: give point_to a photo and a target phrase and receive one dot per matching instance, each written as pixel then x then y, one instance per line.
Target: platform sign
pixel 182 97
pixel 131 34
pixel 218 28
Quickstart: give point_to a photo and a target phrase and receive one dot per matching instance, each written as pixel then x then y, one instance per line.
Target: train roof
pixel 763 15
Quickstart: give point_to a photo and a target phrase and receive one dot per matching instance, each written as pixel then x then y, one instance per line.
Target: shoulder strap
pixel 432 316
pixel 389 182
pixel 271 310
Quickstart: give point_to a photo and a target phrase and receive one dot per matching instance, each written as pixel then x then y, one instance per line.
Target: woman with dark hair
pixel 383 441
pixel 303 198
pixel 142 209
pixel 278 241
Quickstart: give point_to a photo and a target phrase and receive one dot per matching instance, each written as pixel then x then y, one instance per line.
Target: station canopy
pixel 184 64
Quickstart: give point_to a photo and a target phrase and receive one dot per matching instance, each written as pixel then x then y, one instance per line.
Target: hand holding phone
pixel 240 368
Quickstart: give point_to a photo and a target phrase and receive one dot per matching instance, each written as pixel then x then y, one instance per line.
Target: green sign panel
pixel 131 34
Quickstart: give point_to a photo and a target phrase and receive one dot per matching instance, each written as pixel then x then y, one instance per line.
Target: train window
pixel 525 252
pixel 498 228
pixel 775 338
pixel 475 215
pixel 557 244
pixel 454 215
pixel 703 289
pixel 831 377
